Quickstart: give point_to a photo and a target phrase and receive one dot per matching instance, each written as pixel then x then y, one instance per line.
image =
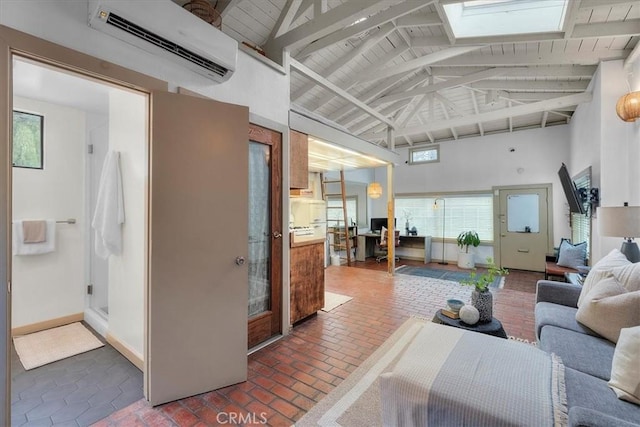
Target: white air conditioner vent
pixel 161 42
pixel 169 31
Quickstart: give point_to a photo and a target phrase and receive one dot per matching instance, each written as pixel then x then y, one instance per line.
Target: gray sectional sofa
pixel 587 358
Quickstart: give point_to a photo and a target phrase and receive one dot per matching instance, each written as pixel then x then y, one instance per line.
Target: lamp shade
pixel 628 107
pixel 619 221
pixel 374 190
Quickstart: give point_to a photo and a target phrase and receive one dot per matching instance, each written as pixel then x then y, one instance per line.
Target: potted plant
pixel 466 239
pixel 481 296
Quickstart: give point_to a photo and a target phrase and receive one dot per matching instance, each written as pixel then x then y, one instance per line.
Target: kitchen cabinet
pixel 306 278
pixel 298 160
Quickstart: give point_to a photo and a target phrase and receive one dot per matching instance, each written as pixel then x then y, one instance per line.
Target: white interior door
pixel 198 281
pixel 524 228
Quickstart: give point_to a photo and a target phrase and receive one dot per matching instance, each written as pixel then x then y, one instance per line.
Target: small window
pixel 424 155
pixel 27 140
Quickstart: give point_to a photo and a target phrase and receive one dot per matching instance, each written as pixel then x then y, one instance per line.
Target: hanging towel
pixel 109 214
pixel 34 231
pixel 22 248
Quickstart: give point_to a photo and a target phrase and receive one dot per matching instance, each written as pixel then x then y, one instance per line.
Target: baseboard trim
pixel 124 349
pixel 47 324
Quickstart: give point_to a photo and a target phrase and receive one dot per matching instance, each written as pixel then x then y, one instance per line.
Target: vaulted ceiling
pixel 402 68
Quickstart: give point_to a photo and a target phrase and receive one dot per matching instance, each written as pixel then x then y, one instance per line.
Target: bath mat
pixel 332 300
pixel 40 348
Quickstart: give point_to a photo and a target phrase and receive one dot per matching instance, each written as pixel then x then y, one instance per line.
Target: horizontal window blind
pixel 581 224
pixel 459 213
pixel 336 214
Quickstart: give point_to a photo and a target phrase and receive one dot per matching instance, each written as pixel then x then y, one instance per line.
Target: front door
pixel 265 234
pixel 198 274
pixel 524 228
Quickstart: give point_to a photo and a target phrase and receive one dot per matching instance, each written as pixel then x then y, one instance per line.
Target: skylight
pixel 478 18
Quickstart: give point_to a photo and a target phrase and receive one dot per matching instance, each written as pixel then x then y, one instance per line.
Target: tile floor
pixel 74 392
pixel 290 376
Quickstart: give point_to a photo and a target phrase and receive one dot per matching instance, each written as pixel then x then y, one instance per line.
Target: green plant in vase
pixel 481 296
pixel 465 240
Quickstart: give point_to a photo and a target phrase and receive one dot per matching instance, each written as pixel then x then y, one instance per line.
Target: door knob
pixel 277 235
pixel 240 260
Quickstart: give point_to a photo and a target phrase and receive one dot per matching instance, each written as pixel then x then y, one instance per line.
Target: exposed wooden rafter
pixel 374 21
pixel 536 107
pixel 330 86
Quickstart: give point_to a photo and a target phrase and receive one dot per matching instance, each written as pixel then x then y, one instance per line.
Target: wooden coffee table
pixel 494 327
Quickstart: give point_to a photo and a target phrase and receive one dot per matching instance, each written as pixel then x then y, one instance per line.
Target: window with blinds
pixel 336 214
pixel 458 213
pixel 581 224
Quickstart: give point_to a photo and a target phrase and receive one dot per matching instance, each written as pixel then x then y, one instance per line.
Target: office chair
pixel 383 244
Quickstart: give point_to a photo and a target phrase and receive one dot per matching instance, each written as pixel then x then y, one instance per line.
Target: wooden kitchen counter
pixel 293 244
pixel 306 278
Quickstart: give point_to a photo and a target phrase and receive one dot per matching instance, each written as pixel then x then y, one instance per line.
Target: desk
pixel 412 247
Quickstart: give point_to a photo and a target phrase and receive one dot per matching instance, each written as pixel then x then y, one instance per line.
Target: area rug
pixel 40 348
pixel 356 401
pixel 332 301
pixel 436 273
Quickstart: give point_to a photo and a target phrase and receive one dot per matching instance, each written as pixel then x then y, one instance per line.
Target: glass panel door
pixel 259 229
pixel 265 234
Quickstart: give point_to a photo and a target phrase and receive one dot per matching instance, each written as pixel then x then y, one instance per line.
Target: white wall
pixel 478 164
pixel 127 134
pixel 262 88
pixel 600 139
pixel 51 285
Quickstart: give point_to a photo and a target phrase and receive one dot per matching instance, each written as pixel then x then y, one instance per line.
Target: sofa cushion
pixel 608 308
pixel 628 276
pixel 625 369
pixel 590 392
pixel 601 270
pixel 572 256
pixel 587 417
pixel 549 314
pixel 581 352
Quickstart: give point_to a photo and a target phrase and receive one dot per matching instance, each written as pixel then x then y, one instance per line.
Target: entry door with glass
pixel 265 234
pixel 524 228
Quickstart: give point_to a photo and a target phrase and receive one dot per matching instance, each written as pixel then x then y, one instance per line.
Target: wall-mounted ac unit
pixel 165 29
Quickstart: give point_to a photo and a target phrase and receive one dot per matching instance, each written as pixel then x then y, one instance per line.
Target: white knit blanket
pixel 452 377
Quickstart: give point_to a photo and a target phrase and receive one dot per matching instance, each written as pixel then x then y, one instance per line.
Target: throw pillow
pixel 383 235
pixel 572 255
pixel 625 370
pixel 608 308
pixel 628 276
pixel 602 269
pixel 556 251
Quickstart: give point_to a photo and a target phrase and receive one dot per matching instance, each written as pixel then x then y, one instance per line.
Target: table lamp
pixel 622 221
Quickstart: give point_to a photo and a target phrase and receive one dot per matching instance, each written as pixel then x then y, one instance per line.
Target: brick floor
pixel 288 377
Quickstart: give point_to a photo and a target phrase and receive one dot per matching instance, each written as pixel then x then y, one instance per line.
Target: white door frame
pixel 15 42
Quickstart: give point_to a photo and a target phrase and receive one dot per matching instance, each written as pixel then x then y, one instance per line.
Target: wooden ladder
pixel 338 228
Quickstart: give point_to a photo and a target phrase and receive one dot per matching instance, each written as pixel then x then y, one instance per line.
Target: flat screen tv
pixel 571 191
pixel 378 223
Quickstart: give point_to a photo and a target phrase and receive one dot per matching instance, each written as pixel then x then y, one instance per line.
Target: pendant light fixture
pixel 374 189
pixel 628 106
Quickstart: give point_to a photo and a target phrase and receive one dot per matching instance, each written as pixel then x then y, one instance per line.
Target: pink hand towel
pixel 34 231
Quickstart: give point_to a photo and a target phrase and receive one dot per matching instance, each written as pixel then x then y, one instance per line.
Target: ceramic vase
pixel 483 301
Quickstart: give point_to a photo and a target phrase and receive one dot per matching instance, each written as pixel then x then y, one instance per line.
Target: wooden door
pixel 197 313
pixel 265 234
pixel 524 228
